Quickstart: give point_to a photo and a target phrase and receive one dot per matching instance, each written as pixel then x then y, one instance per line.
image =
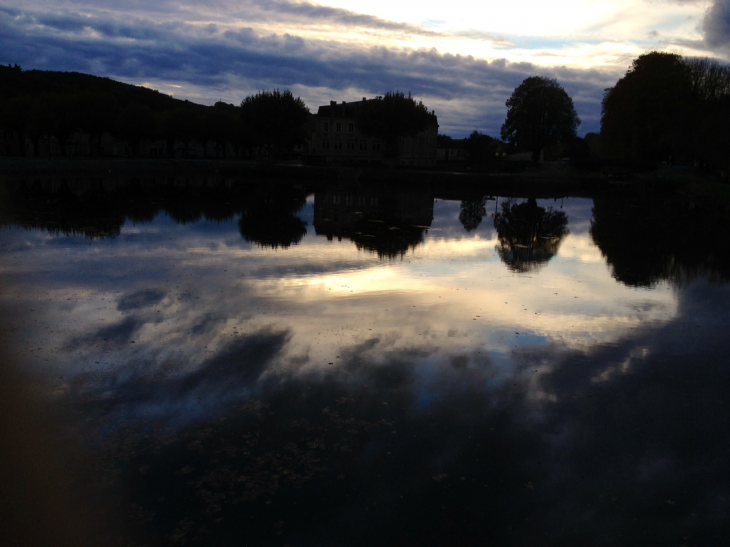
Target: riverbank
pixel 542 179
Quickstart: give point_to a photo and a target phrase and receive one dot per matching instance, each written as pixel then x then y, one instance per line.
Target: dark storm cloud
pixel 716 24
pixel 215 57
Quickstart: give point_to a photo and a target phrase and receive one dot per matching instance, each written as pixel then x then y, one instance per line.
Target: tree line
pixel 39 105
pixel 665 108
pixel 669 108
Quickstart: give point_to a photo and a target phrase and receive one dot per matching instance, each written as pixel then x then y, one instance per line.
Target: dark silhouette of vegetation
pixel 669 108
pixel 481 148
pixel 472 212
pixel 92 210
pixel 270 220
pixel 388 240
pixel 539 113
pixel 52 109
pixel 391 117
pixel 529 235
pixel 137 123
pixel 648 240
pixel 276 121
pixel 643 115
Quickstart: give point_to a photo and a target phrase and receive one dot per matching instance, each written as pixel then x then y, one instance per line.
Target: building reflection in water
pixel 386 221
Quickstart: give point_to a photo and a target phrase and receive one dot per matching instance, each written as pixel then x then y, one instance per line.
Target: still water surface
pixel 362 365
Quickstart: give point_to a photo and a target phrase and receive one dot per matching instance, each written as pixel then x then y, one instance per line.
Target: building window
pixel 326 127
pixel 351 128
pixel 325 145
pixel 338 127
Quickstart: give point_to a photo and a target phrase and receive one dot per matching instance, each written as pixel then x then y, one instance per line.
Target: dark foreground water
pixel 228 363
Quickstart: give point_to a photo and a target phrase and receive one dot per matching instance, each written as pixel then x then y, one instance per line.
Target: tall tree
pixel 539 113
pixel 393 116
pixel 275 120
pixel 646 115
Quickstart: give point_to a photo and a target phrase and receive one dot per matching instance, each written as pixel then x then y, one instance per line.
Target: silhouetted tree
pixel 274 120
pixel 65 119
pixel 472 212
pixel 181 124
pixel 529 236
pixel 137 123
pixel 219 126
pixel 646 240
pixel 646 114
pixel 270 218
pixel 539 113
pixel 480 148
pixel 593 141
pixel 15 115
pixel 98 115
pixel 388 239
pixel 391 117
pixel 710 78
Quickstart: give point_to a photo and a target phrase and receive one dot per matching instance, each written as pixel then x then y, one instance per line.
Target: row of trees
pixel 270 121
pixel 670 108
pixel 665 108
pixel 81 103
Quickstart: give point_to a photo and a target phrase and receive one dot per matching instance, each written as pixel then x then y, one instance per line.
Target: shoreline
pixel 546 179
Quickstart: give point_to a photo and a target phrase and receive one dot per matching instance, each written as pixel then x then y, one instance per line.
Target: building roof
pixel 341 110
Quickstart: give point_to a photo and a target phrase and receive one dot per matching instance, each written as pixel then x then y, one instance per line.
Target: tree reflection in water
pixel 652 239
pixel 529 235
pixel 271 221
pixel 472 212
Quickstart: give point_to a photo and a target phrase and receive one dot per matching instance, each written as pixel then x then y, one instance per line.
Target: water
pixel 277 364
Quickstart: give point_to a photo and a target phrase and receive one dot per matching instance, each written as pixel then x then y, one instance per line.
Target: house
pixel 337 139
pixel 386 221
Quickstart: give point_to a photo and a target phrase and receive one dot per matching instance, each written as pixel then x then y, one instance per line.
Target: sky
pixel 463 58
pixel 185 293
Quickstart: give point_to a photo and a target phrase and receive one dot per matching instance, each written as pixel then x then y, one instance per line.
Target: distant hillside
pixel 45 113
pixel 15 83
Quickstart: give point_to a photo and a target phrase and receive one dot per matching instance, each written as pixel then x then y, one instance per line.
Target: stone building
pixel 337 139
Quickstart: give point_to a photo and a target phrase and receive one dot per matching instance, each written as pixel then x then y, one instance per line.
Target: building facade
pixel 337 139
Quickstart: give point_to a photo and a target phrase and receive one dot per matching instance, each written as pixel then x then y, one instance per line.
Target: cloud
pixel 143 386
pixel 216 60
pixel 439 428
pixel 716 24
pixel 118 334
pixel 140 299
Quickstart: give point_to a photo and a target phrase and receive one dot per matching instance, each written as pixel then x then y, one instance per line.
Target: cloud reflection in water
pixel 437 397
